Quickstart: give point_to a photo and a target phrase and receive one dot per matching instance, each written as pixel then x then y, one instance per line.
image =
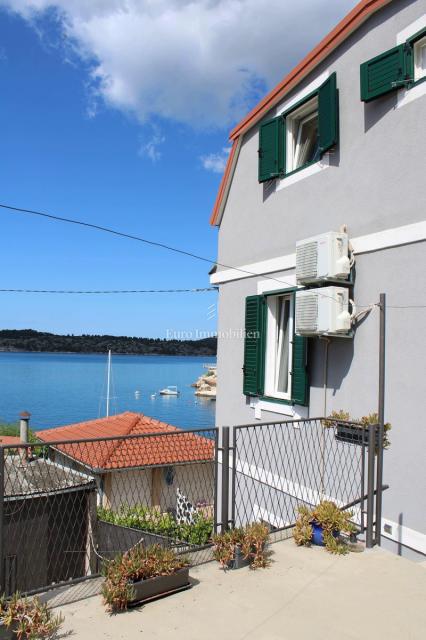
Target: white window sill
pixel 312 169
pixel 292 411
pixel 405 96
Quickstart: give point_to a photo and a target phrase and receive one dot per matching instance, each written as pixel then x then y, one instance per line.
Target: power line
pixel 107 291
pixel 406 306
pixel 161 245
pixel 196 290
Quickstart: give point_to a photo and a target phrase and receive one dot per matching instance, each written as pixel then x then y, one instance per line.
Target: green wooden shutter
pixel 253 347
pixel 328 114
pixel 387 72
pixel 271 149
pixel 299 374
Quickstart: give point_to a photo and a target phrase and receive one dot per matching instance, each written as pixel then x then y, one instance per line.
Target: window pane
pixel 420 59
pixel 282 345
pixel 307 140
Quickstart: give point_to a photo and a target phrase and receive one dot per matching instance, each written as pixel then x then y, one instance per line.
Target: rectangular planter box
pixel 159 586
pixel 7 634
pixel 353 434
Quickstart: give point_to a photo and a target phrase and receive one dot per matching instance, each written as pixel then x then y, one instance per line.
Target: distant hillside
pixel 29 340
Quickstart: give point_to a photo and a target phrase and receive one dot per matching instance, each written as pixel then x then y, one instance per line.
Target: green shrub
pixel 154 521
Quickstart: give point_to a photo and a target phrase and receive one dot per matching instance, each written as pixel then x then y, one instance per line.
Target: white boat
pixel 170 391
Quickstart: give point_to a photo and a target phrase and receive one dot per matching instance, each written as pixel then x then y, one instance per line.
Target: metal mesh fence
pixel 279 466
pixel 67 506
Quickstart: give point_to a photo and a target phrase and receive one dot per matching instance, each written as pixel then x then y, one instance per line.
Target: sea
pixel 63 388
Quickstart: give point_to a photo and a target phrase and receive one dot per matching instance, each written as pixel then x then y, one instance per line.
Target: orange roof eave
pixel 352 21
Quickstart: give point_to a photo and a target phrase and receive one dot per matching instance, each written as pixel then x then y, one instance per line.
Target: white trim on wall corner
pixel 395 237
pixel 404 535
pixel 259 268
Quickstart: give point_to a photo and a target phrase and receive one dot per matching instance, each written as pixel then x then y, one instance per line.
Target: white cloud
pixel 216 162
pixel 200 62
pixel 150 148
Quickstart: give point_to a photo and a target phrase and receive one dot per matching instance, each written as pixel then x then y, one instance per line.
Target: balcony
pixel 68 506
pixel 305 593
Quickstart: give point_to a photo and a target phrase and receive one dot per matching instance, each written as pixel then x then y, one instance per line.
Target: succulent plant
pixel 28 618
pixel 332 519
pixel 251 539
pixel 139 563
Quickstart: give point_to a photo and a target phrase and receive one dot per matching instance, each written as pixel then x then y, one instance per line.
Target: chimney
pixel 24 419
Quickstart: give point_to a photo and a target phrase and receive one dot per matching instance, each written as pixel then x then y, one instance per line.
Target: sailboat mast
pixel 108 383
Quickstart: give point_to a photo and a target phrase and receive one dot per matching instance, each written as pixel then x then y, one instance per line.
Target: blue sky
pixel 117 113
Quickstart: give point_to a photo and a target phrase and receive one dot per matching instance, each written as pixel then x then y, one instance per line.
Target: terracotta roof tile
pixel 10 440
pixel 122 453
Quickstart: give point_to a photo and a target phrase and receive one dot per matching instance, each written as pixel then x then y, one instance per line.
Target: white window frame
pixel 294 122
pixel 419 52
pixel 270 390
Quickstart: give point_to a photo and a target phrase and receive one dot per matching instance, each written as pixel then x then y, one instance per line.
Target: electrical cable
pixel 154 243
pixel 107 291
pixel 162 246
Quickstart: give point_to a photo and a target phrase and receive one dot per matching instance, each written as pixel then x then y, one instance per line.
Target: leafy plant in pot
pixel 322 526
pixel 141 574
pixel 242 546
pixel 355 433
pixel 27 619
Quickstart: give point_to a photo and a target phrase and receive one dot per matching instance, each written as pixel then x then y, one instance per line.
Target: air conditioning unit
pixel 322 258
pixel 323 311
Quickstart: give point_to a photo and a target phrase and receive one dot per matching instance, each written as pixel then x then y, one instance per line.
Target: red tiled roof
pixel 10 440
pixel 354 19
pixel 180 446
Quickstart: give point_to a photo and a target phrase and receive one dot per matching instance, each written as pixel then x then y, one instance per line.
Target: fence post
pixel 370 484
pixel 381 413
pixel 216 479
pixel 225 480
pixel 2 558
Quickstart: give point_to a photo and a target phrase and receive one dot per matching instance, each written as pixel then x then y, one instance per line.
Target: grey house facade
pixel 339 144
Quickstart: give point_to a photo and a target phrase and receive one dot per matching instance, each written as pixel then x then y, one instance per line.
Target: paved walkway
pixel 306 593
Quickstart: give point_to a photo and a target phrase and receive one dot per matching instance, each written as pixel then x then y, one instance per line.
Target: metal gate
pixel 276 467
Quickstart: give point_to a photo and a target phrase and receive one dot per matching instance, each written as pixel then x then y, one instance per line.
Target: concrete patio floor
pixel 305 593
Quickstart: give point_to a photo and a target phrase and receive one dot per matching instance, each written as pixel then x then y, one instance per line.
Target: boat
pixel 171 390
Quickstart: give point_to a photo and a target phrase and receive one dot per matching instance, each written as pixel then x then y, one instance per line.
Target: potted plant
pixel 323 526
pixel 142 574
pixel 355 433
pixel 242 547
pixel 373 418
pixel 345 431
pixel 26 619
